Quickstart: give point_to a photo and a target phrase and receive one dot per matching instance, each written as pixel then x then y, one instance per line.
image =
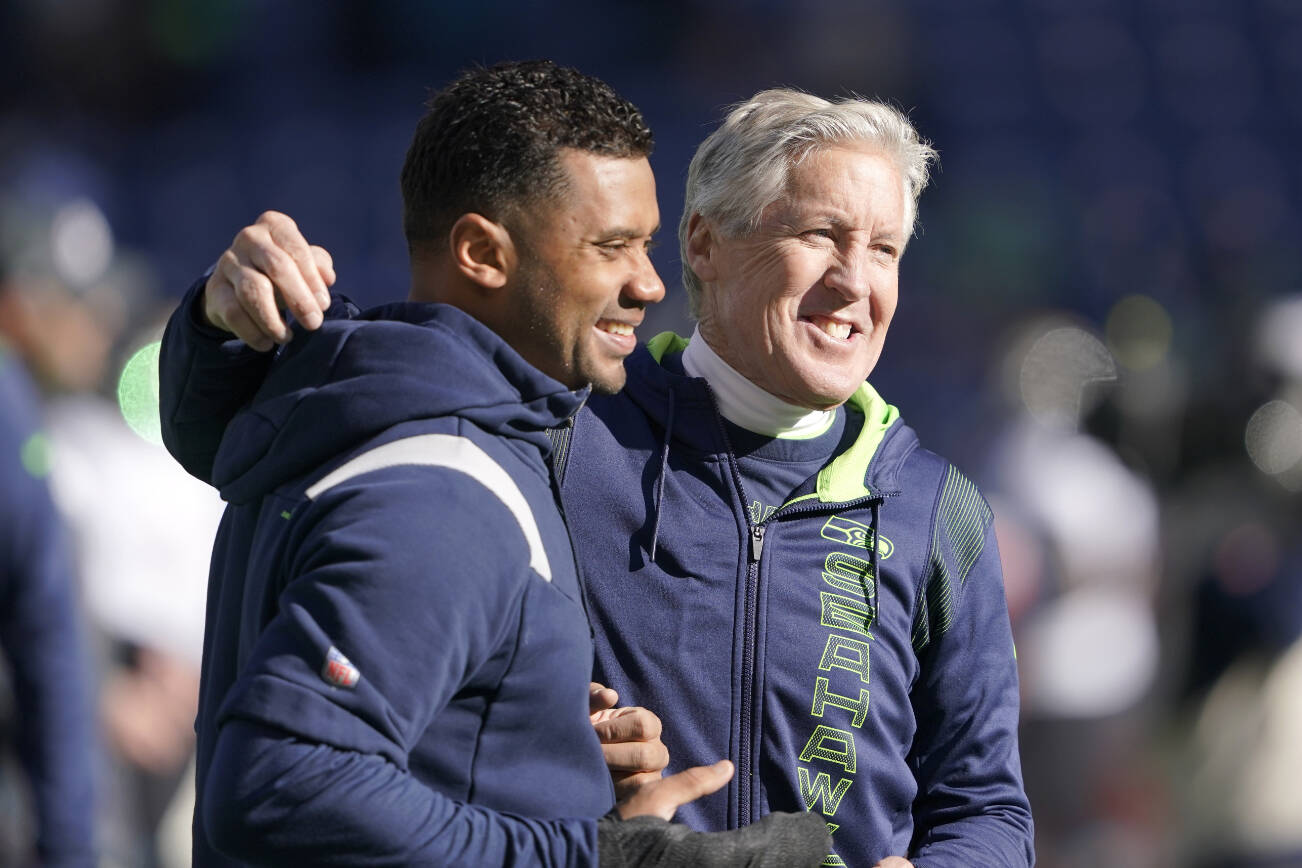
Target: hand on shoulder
pixel 268 268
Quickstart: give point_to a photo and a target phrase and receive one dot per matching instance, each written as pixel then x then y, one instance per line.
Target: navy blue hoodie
pixel 851 652
pixel 396 658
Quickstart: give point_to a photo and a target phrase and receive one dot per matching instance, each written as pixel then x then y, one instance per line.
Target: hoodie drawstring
pixel 875 506
pixel 664 472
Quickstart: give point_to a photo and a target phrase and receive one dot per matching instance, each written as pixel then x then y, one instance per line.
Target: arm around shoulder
pixel 204 377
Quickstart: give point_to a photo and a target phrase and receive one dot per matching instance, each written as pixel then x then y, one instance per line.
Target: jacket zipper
pixel 745 759
pixel 755 551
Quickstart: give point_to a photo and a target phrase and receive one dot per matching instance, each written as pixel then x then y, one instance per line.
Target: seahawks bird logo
pixel 854 534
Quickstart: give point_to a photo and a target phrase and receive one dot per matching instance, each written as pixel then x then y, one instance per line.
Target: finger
pixel 242 326
pixel 219 291
pixel 286 283
pixel 288 240
pixel 288 237
pixel 600 698
pixel 255 296
pixel 626 785
pixel 635 756
pixel 698 781
pixel 243 268
pixel 662 798
pixel 222 308
pixel 325 266
pixel 894 862
pixel 628 724
pixel 212 308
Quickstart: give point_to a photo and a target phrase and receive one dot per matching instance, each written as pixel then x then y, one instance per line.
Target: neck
pixel 745 404
pixel 428 282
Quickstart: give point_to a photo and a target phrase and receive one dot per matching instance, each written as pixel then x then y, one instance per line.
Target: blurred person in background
pixel 1080 536
pixel 46 724
pixel 754 521
pixel 397 654
pixel 137 524
pixel 1239 769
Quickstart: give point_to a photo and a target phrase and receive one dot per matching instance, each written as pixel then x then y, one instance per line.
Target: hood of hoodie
pixel 869 467
pixel 333 389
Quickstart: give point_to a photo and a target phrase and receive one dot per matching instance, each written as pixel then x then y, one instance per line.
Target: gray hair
pixel 741 168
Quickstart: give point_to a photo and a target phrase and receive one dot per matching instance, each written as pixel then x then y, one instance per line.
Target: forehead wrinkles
pixel 839 183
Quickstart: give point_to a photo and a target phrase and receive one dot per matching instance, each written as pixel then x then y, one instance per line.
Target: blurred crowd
pixel 1101 321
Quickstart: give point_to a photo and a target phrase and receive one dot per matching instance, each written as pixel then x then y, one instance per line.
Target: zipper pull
pixel 756 543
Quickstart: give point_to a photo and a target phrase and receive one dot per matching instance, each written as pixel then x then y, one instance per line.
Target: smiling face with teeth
pixel 584 277
pixel 801 306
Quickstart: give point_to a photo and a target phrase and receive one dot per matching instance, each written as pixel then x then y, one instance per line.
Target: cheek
pixel 885 296
pixel 768 270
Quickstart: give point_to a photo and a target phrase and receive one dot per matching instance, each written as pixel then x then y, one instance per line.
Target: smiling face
pixel 801 306
pixel 585 277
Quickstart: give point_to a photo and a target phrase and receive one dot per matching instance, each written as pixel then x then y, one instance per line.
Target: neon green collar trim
pixel 843 479
pixel 665 342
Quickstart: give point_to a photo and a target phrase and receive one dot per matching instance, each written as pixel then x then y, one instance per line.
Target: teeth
pixel 615 328
pixel 839 330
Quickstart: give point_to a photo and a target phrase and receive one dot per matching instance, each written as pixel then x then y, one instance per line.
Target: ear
pixel 482 250
pixel 700 248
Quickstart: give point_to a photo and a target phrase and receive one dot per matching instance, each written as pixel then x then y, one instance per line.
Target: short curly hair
pixel 489 142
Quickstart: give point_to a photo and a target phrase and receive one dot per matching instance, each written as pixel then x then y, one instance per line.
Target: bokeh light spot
pixel 138 392
pixel 81 241
pixel 1139 332
pixel 35 455
pixel 1057 372
pixel 1273 437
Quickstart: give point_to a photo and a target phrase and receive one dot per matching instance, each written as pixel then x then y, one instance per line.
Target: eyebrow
pixel 623 232
pixel 832 220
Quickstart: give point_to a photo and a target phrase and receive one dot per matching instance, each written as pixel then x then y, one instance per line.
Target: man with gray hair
pixel 760 532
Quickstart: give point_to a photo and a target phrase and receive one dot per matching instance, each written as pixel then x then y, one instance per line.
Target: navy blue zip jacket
pixel 396 657
pixel 41 636
pixel 851 653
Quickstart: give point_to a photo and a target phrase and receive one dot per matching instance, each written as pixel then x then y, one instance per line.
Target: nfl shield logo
pixel 338 670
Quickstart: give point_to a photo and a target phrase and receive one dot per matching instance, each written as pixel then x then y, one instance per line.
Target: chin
pixel 824 395
pixel 607 382
pixel 823 402
pixel 607 387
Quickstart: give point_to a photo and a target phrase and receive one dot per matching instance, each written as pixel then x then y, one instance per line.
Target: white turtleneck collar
pixel 745 404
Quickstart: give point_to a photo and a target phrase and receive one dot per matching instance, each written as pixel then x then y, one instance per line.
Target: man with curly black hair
pixel 397 654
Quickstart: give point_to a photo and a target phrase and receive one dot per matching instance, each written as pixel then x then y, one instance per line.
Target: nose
pixel 644 285
pixel 848 274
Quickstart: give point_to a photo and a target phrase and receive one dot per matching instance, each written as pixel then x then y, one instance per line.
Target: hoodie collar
pixel 333 389
pixel 858 472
